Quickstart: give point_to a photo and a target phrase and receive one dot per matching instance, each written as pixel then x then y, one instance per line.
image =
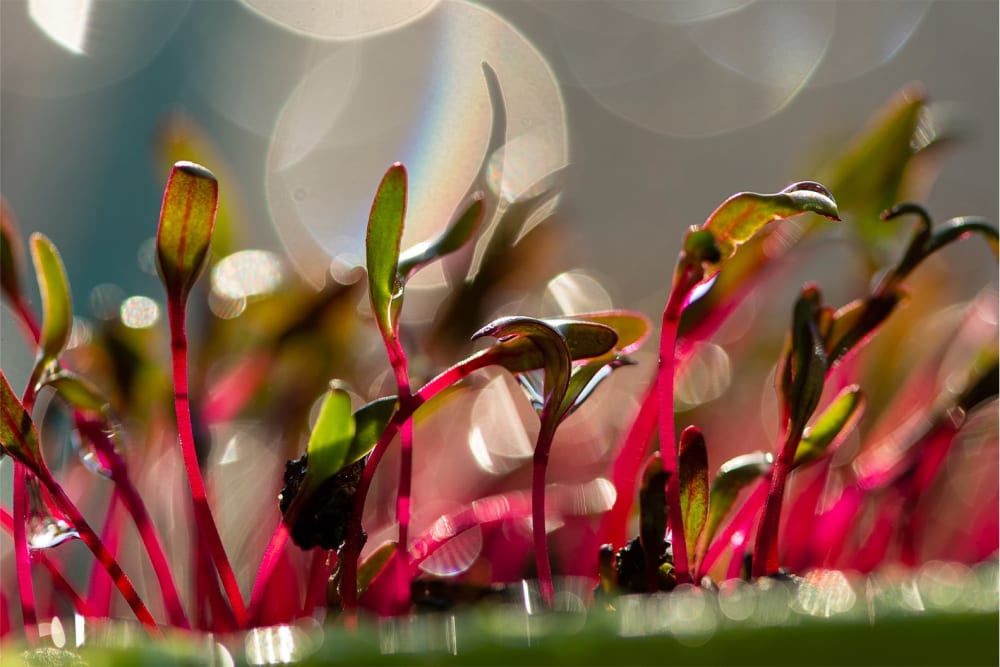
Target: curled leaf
pixel 832 426
pixel 385 232
pixel 187 218
pixel 454 237
pixel 57 308
pixel 741 216
pixel 692 471
pixel 549 342
pixel 804 371
pixel 732 477
pixel 519 354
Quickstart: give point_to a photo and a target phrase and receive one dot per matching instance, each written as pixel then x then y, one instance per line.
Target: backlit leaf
pixel 583 340
pixel 741 216
pixel 330 439
pixel 374 564
pixel 77 391
pixel 385 232
pixel 454 237
pixel 370 421
pixel 549 342
pixel 832 426
pixel 187 218
pixel 57 308
pixel 631 327
pixel 692 472
pixel 17 432
pixel 732 477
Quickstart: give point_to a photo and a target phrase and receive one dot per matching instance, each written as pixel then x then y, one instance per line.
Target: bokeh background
pixel 660 109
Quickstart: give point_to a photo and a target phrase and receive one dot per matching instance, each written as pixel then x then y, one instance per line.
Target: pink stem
pixel 539 464
pixel 625 473
pixel 685 282
pixel 765 554
pixel 207 528
pixel 272 554
pixel 22 557
pixel 319 575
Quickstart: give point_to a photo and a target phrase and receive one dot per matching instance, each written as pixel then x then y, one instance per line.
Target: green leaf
pixel 741 216
pixel 732 477
pixel 330 439
pixel 370 421
pixel 583 340
pixel 18 436
pixel 375 563
pixel 631 327
pixel 832 426
pixel 78 392
pixel 806 364
pixel 549 342
pixel 385 232
pixel 11 254
pixel 692 476
pixel 57 308
pixel 453 238
pixel 187 218
pixel 653 507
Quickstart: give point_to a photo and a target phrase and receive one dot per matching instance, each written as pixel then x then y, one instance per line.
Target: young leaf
pixel 832 426
pixel 733 475
pixel 77 391
pixel 18 436
pixel 187 218
pixel 738 218
pixel 374 564
pixel 807 361
pixel 858 320
pixel 631 327
pixel 585 379
pixel 519 354
pixel 370 421
pixel 385 232
pixel 692 470
pixel 653 509
pixel 57 308
pixel 551 345
pixel 454 237
pixel 330 439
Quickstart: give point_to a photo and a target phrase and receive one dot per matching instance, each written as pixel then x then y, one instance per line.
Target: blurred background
pixel 660 110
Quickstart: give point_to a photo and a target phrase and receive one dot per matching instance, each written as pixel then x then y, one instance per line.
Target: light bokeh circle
pixel 417 96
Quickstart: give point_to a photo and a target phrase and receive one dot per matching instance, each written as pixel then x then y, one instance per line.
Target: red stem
pixel 765 552
pixel 625 472
pixel 207 529
pixel 685 282
pixel 319 574
pixel 22 557
pixel 539 464
pixel 100 551
pixel 272 554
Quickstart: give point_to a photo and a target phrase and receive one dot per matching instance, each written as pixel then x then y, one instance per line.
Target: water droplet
pixel 47 525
